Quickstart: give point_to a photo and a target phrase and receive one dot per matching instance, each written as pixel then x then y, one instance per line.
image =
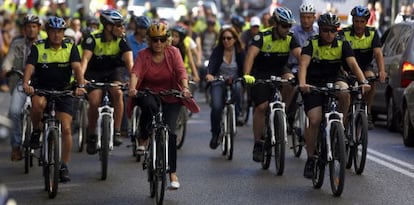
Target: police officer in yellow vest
pixel 266 56
pixel 51 61
pixel 320 63
pixel 105 52
pixel 366 45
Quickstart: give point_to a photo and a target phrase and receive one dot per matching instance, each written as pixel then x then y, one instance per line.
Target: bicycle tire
pixel 26 132
pixel 134 131
pixel 267 150
pixel 181 128
pixel 223 130
pixel 361 142
pixel 350 143
pixel 83 124
pixel 148 164
pixel 279 125
pixel 298 129
pixel 53 162
pixel 161 166
pixel 231 131
pixel 320 162
pixel 104 150
pixel 337 164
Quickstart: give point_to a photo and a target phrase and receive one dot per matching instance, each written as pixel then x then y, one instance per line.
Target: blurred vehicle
pixel 398 51
pixel 408 113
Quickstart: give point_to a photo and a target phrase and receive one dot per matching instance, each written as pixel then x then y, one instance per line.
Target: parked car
pixel 408 113
pixel 398 50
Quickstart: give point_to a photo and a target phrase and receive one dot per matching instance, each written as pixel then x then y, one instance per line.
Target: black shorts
pixel 261 93
pixel 112 75
pixel 65 104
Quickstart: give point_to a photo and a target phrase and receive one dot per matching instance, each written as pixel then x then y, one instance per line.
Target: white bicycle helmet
pixel 307 8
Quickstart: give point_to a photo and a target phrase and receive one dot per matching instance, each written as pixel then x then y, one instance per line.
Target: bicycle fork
pixel 328 123
pixel 105 110
pixel 277 106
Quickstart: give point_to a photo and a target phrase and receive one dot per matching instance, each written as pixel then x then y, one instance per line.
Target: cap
pixel 255 21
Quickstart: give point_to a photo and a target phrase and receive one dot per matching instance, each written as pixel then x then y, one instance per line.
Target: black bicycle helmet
pixel 238 21
pixel 360 11
pixel 142 22
pixel 55 22
pixel 111 16
pixel 30 18
pixel 180 30
pixel 92 21
pixel 329 19
pixel 283 15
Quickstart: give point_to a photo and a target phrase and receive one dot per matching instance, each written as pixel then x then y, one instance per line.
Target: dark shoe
pixel 309 167
pixel 117 139
pixel 240 121
pixel 91 144
pixel 16 154
pixel 64 173
pixel 34 139
pixel 258 151
pixel 370 122
pixel 214 142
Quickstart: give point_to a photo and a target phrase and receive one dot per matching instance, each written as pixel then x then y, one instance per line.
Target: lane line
pixel 391 159
pixel 391 166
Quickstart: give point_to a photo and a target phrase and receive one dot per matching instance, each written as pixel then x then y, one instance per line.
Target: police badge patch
pixel 256 37
pixel 89 40
pixel 306 43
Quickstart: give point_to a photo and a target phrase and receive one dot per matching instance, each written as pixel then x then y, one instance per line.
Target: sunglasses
pixel 227 38
pixel 156 40
pixel 326 30
pixel 286 25
pixel 119 25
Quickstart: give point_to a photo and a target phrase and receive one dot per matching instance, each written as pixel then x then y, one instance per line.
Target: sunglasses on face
pixel 156 40
pixel 286 25
pixel 119 25
pixel 227 38
pixel 326 30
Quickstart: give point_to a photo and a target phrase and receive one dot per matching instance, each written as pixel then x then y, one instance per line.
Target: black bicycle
pixel 156 155
pixel 297 123
pixel 330 144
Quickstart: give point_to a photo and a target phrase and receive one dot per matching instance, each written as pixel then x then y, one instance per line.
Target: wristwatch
pixel 365 81
pixel 81 86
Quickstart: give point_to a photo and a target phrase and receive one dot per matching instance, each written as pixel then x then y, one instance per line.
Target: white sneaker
pixel 140 150
pixel 174 185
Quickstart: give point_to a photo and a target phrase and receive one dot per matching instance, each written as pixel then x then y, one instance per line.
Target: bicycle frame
pixel 105 109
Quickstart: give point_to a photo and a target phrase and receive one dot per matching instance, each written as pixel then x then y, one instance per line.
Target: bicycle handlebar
pixel 172 92
pixel 54 93
pixel 276 80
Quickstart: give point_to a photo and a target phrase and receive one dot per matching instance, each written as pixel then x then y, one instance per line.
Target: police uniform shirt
pixel 53 68
pixel 107 55
pixel 274 52
pixel 363 47
pixel 326 60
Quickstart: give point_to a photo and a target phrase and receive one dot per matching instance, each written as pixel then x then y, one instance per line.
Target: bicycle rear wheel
pixel 298 129
pixel 26 132
pixel 104 150
pixel 83 124
pixel 337 164
pixel 267 150
pixel 280 132
pixel 319 168
pixel 161 166
pixel 361 142
pixel 350 143
pixel 181 127
pixel 136 114
pixel 148 164
pixel 51 163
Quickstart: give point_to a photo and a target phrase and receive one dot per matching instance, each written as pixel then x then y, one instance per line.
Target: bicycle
pixel 184 114
pixel 50 151
pixel 26 122
pixel 330 144
pixel 105 124
pixel 297 123
pixel 357 130
pixel 80 122
pixel 156 154
pixel 275 131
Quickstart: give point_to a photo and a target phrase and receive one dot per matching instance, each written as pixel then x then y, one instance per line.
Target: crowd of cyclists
pixel 156 54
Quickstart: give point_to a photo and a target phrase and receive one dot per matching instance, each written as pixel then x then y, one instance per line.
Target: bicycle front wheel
pixel 51 163
pixel 83 124
pixel 298 129
pixel 279 125
pixel 231 131
pixel 104 150
pixel 161 166
pixel 337 164
pixel 361 142
pixel 181 127
pixel 26 132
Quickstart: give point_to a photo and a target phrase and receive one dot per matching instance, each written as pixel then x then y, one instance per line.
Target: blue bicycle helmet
pixel 180 30
pixel 283 15
pixel 142 22
pixel 55 22
pixel 111 16
pixel 360 11
pixel 238 21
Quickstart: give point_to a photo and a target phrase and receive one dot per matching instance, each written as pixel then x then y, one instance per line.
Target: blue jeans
pixel 18 99
pixel 217 90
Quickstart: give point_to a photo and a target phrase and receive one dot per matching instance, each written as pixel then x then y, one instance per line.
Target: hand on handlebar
pixel 365 88
pixel 28 89
pixel 249 79
pixel 306 88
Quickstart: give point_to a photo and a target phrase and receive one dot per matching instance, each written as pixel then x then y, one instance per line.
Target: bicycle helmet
pixel 30 18
pixel 283 15
pixel 360 11
pixel 157 30
pixel 142 22
pixel 92 21
pixel 55 22
pixel 111 16
pixel 307 8
pixel 180 30
pixel 329 19
pixel 237 21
